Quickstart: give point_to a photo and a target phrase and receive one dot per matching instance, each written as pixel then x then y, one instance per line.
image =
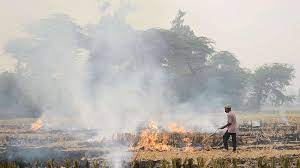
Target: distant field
pixel 288 116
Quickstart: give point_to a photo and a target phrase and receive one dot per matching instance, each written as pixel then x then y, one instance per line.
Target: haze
pixel 256 31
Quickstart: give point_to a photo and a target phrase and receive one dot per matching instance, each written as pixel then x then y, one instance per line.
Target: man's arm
pixel 227 125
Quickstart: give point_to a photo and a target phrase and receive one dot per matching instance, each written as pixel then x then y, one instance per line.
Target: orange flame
pixel 153 125
pixel 188 143
pixel 174 128
pixel 150 139
pixel 37 125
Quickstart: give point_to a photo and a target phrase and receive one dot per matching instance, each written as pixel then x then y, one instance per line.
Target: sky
pixel 256 31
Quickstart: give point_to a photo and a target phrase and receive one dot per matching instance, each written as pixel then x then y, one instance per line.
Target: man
pixel 231 128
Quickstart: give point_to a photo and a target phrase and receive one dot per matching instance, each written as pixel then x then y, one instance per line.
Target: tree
pixel 185 57
pixel 269 83
pixel 224 59
pixel 195 50
pixel 179 28
pixel 230 80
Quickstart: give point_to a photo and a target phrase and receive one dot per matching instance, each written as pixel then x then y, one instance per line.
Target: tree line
pixel 192 64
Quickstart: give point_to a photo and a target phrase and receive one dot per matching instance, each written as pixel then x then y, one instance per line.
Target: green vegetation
pixel 234 163
pixel 200 162
pixel 262 163
pixel 298 163
pixel 268 83
pixel 273 163
pixel 284 162
pixel 176 163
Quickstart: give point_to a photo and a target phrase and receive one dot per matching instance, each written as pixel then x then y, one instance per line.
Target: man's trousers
pixel 226 138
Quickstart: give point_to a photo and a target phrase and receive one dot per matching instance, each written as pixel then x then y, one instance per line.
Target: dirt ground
pixel 17 138
pixel 216 154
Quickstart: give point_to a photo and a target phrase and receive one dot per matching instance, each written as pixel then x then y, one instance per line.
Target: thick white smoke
pixel 51 66
pixel 99 76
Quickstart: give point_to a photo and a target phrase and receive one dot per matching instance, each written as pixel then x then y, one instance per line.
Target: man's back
pixel 232 128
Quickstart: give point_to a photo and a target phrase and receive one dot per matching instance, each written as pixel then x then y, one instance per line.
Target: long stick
pixel 210 135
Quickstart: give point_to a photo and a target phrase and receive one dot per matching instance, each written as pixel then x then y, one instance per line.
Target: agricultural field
pixel 264 140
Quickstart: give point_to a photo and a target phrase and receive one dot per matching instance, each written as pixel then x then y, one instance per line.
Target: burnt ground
pixel 260 136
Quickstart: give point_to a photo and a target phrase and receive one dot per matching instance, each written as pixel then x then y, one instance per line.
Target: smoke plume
pixel 100 76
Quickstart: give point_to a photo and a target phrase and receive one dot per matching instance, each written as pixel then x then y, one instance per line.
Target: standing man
pixel 231 128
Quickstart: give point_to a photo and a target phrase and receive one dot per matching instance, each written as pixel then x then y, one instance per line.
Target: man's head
pixel 227 108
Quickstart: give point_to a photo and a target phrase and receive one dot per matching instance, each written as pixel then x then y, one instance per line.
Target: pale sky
pixel 256 31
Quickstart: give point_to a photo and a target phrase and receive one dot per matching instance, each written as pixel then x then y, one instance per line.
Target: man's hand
pixel 227 125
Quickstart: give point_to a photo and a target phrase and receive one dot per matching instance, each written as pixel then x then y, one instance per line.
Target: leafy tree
pixel 179 28
pixel 195 50
pixel 224 59
pixel 183 54
pixel 269 83
pixel 230 79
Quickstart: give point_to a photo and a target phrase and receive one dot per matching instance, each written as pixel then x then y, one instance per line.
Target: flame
pixel 153 125
pixel 174 128
pixel 153 139
pixel 188 144
pixel 150 139
pixel 37 125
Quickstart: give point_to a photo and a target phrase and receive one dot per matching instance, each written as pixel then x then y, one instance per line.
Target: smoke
pixel 51 66
pixel 100 76
pixel 119 156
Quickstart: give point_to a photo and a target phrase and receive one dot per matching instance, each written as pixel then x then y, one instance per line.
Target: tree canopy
pixel 269 83
pixel 192 65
